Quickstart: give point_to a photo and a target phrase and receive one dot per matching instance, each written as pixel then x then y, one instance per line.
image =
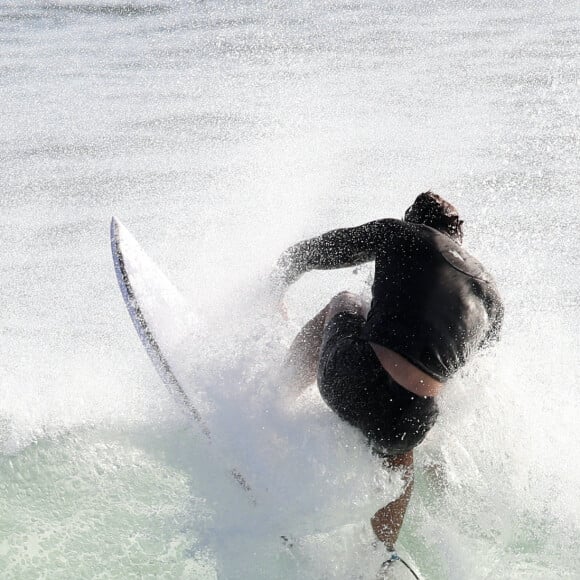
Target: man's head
pixel 432 210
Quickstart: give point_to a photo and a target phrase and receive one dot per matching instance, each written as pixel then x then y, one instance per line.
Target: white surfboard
pixel 163 320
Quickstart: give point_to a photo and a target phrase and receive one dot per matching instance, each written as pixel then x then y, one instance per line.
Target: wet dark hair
pixel 432 210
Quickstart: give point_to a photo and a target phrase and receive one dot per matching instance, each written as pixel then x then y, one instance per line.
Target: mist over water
pixel 220 132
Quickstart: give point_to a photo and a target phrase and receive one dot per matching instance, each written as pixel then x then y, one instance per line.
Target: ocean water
pixel 220 132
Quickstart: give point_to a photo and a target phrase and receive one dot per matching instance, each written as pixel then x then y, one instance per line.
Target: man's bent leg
pixel 301 362
pixel 345 302
pixel 302 359
pixel 387 522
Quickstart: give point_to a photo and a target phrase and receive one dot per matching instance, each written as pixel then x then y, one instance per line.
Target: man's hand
pixel 282 309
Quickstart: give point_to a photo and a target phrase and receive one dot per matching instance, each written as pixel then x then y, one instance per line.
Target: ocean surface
pixel 220 132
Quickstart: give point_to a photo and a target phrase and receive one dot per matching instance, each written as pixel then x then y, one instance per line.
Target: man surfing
pixel 433 306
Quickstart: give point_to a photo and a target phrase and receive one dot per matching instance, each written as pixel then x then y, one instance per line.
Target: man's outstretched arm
pixel 387 522
pixel 335 249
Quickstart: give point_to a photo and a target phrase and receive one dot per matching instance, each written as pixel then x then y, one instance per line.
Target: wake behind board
pixel 163 320
pixel 164 323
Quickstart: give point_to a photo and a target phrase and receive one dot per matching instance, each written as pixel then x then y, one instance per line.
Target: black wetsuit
pixel 432 303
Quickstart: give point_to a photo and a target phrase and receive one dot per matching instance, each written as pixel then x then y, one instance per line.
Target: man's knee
pixel 344 302
pixel 402 461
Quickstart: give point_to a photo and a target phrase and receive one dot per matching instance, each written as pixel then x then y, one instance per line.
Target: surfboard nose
pixel 115 224
pixel 118 229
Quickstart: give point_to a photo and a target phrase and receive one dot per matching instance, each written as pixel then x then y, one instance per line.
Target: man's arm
pixel 497 323
pixel 335 249
pixel 495 311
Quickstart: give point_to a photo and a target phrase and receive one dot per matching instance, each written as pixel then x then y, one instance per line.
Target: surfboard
pixel 151 298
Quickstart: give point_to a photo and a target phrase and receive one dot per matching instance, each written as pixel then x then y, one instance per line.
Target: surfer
pixel 381 369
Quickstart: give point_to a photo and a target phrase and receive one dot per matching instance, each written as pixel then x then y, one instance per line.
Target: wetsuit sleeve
pixel 335 249
pixel 495 310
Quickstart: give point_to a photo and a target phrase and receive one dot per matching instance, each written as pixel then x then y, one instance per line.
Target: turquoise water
pixel 221 132
pixel 60 496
